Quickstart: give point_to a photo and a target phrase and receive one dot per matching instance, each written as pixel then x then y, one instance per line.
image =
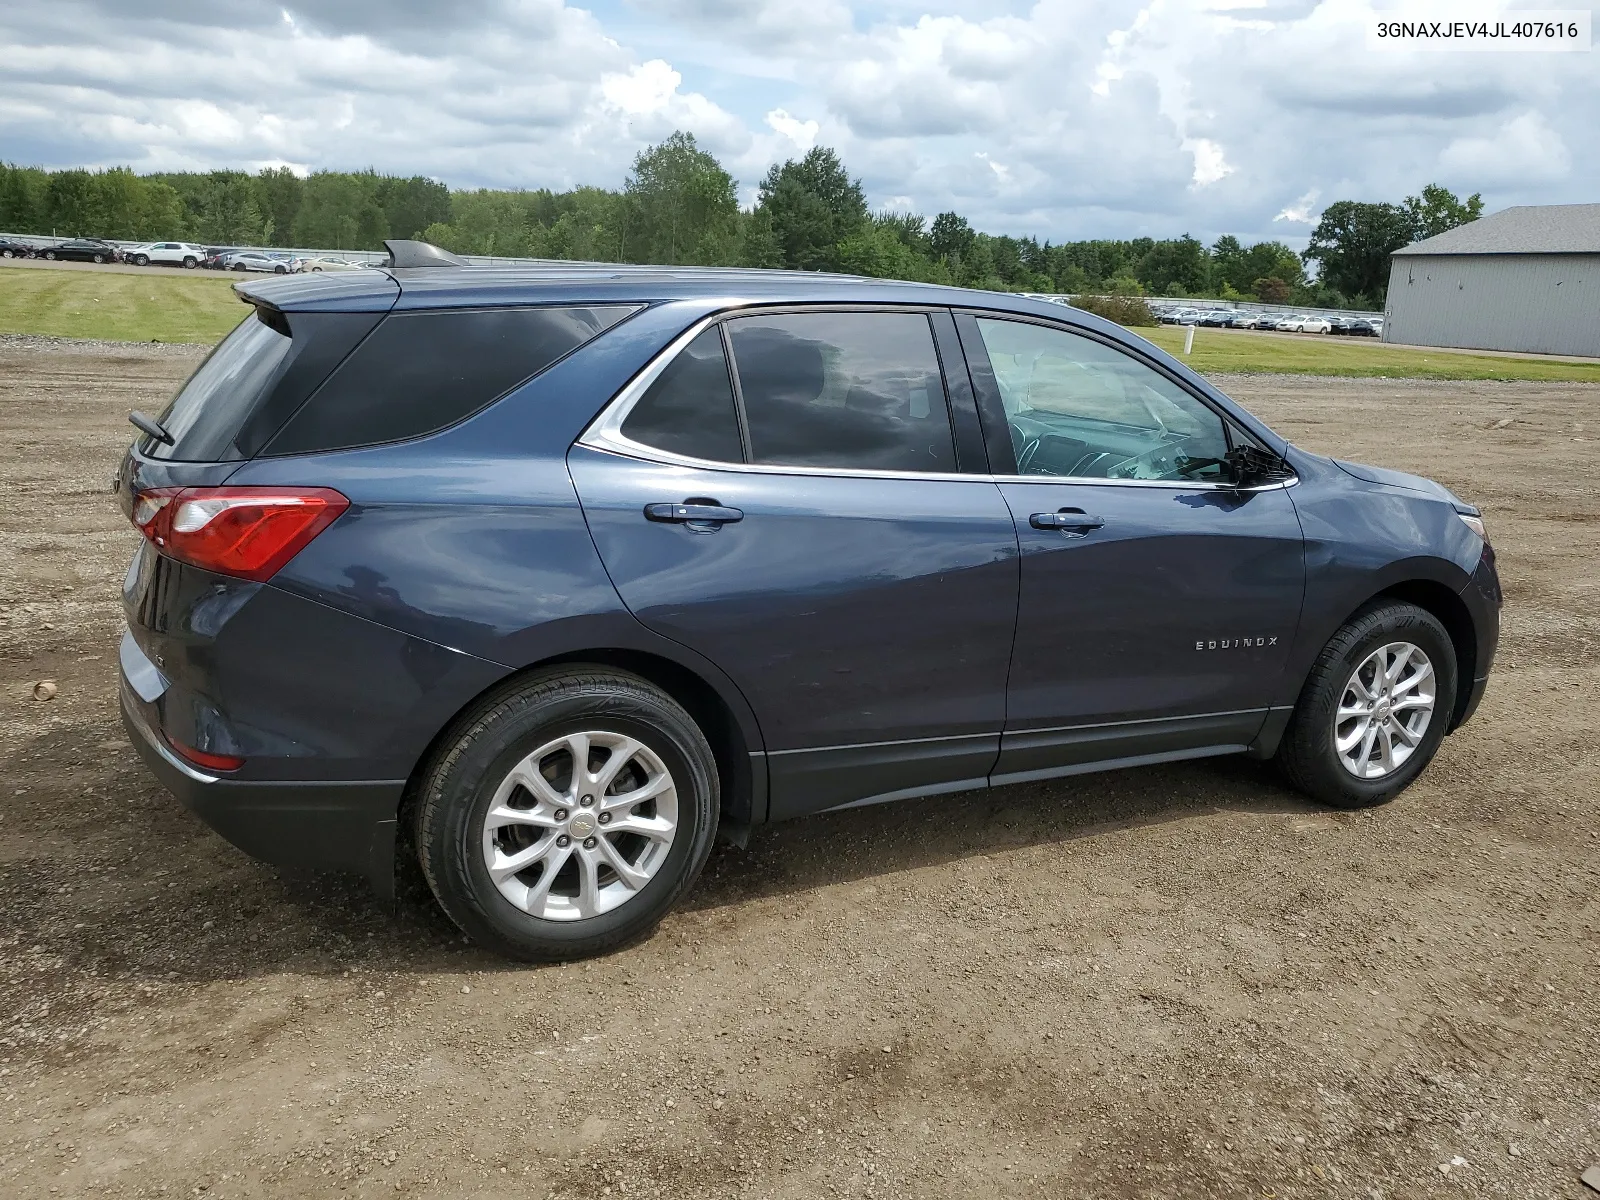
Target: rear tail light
pixel 204 758
pixel 250 532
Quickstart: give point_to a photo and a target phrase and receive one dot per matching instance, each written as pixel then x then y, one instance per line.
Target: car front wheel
pixel 1374 708
pixel 567 814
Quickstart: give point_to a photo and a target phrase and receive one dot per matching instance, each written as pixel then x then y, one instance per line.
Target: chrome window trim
pixel 605 433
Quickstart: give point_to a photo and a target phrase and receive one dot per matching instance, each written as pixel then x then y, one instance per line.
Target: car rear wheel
pixel 1374 708
pixel 567 814
pixel 188 263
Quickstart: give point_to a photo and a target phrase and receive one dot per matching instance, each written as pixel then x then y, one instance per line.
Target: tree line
pixel 679 206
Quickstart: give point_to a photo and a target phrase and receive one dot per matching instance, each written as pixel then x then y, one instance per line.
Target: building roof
pixel 1526 229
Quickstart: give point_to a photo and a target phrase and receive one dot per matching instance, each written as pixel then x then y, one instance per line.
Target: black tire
pixel 188 263
pixel 50 254
pixel 7 253
pixel 280 270
pixel 99 258
pixel 1307 753
pixel 141 260
pixel 459 783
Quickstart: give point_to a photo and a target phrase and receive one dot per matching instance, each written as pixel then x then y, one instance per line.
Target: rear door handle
pixel 1071 521
pixel 693 513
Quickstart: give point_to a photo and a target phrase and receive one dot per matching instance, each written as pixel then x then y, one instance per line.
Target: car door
pixel 782 493
pixel 1158 601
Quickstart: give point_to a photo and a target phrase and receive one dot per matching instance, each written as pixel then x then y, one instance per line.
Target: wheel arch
pixel 741 773
pixel 1451 610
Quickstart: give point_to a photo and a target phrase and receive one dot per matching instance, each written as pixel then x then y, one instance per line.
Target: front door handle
pixel 1073 522
pixel 694 512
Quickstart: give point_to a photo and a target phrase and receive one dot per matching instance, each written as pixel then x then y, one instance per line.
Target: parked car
pixel 1364 327
pixel 168 254
pixel 1243 320
pixel 1314 325
pixel 1215 318
pixel 215 256
pixel 12 248
pixel 1291 324
pixel 254 260
pixel 1268 321
pixel 1186 316
pixel 328 263
pixel 563 576
pixel 83 250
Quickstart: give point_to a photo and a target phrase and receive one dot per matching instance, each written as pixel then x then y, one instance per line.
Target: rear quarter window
pixel 209 409
pixel 420 372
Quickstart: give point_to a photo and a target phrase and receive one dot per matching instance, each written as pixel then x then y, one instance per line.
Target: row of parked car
pixel 189 255
pixel 1228 318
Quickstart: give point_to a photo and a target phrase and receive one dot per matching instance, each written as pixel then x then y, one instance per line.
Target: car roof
pixel 383 288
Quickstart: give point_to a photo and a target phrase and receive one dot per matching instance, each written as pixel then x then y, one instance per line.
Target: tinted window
pixel 206 413
pixel 422 371
pixel 1077 407
pixel 689 408
pixel 856 390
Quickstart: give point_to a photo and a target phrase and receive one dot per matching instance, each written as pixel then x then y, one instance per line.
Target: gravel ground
pixel 1172 982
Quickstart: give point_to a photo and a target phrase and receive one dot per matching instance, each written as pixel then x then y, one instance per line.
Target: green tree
pixel 1178 266
pixel 1272 290
pixel 278 192
pixel 951 237
pixel 70 203
pixel 813 205
pixel 682 207
pixel 1439 209
pixel 23 202
pixel 339 210
pixel 1352 244
pixel 228 213
pixel 411 205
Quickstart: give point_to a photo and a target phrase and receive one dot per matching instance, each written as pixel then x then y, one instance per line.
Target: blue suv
pixel 547 574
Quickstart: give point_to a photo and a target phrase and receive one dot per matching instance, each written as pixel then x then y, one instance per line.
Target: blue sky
pixel 1061 118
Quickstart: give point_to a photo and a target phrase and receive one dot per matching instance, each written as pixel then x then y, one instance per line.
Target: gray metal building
pixel 1524 279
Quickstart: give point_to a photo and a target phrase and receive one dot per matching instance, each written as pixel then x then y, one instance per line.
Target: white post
pixel 1188 340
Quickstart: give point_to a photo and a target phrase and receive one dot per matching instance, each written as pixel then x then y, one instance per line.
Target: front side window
pixel 857 390
pixel 1078 408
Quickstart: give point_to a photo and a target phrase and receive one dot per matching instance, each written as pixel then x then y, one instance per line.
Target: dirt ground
pixel 1173 982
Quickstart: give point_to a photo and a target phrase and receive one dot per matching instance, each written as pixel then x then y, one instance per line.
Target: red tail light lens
pixel 250 532
pixel 204 758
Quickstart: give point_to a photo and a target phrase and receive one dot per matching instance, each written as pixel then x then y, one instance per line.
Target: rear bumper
pixel 338 826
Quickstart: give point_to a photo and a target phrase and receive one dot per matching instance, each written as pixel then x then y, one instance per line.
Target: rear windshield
pixel 420 372
pixel 204 416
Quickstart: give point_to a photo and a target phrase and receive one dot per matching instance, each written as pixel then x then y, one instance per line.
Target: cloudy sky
pixel 1062 118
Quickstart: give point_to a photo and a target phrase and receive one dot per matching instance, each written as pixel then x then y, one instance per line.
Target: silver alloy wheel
pixel 579 826
pixel 1384 710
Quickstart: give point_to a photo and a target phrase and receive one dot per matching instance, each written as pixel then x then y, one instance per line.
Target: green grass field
pixel 1246 353
pixel 199 306
pixel 156 305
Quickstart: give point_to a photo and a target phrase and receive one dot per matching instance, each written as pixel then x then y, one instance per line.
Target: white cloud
pixel 1094 117
pixel 1301 211
pixel 647 88
pixel 1210 164
pixel 802 133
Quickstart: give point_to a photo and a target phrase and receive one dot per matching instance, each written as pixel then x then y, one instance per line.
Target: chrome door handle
pixel 693 513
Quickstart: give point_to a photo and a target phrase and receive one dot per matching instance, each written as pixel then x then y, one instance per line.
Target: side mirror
pixel 1255 467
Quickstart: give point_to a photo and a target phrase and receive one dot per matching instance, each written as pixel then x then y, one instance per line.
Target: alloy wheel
pixel 580 826
pixel 1384 710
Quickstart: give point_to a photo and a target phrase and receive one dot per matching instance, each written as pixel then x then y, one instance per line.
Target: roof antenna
pixel 403 253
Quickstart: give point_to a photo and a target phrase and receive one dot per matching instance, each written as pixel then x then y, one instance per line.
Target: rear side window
pixel 843 389
pixel 207 412
pixel 420 372
pixel 689 409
